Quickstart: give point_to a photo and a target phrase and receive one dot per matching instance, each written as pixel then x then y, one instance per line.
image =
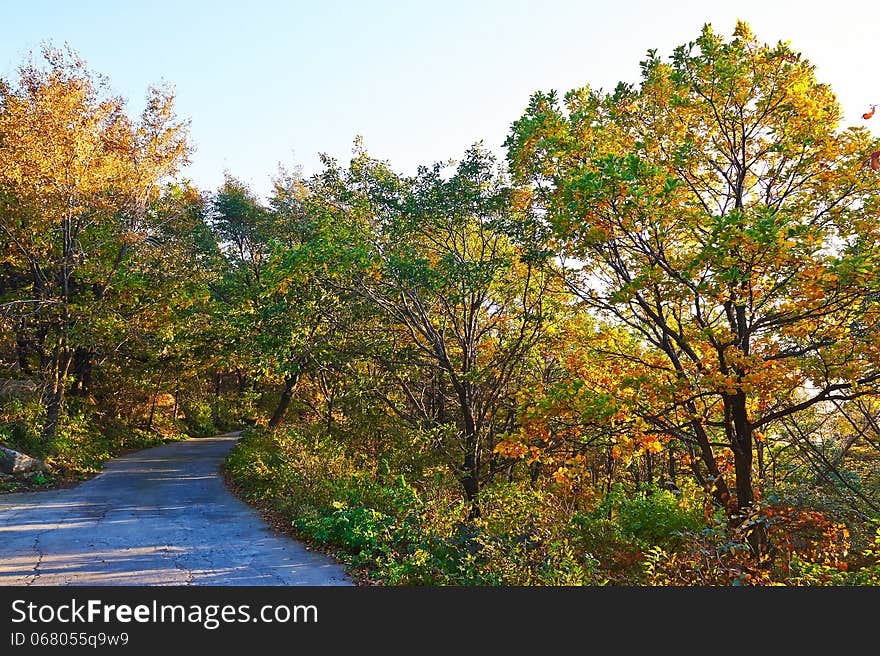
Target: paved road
pixel 157 517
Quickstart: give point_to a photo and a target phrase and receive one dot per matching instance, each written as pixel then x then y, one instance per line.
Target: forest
pixel 641 348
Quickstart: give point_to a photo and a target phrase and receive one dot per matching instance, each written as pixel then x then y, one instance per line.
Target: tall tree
pixel 461 307
pixel 719 212
pixel 243 228
pixel 77 177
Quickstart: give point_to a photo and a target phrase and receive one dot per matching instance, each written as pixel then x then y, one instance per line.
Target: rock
pixel 17 389
pixel 13 462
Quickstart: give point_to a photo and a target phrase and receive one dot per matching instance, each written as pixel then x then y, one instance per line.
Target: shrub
pixel 657 517
pixel 20 422
pixel 865 571
pixel 415 531
pixel 652 517
pixel 399 532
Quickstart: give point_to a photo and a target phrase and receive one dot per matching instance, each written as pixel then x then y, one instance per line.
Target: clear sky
pixel 269 82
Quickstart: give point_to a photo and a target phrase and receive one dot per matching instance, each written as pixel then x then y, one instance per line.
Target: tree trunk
pixel 82 371
pixel 470 435
pixel 152 411
pixel 471 478
pixel 609 469
pixel 22 347
pixel 742 443
pixel 61 353
pixel 759 450
pixel 609 473
pixel 53 398
pixel 176 399
pixel 742 451
pixel 471 482
pixel 716 483
pixel 155 399
pixel 284 401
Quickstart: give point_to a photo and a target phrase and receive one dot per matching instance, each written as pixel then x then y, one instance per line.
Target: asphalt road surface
pixel 161 516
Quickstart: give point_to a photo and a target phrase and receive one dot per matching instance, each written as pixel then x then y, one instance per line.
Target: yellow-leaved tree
pixel 77 179
pixel 720 213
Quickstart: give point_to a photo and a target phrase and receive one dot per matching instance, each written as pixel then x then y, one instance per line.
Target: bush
pixel 416 531
pixel 865 572
pixel 403 534
pixel 20 423
pixel 653 517
pixel 656 517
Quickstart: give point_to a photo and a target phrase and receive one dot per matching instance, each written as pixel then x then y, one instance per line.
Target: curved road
pixel 162 516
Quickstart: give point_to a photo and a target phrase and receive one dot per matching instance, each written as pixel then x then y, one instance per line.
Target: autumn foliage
pixel 643 349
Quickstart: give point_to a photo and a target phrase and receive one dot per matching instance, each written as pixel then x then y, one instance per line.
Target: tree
pixel 719 212
pixel 243 228
pixel 150 339
pixel 460 307
pixel 77 177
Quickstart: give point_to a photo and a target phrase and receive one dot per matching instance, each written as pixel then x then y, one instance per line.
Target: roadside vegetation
pixel 641 350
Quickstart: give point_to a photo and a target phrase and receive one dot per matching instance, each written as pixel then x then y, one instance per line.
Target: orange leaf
pixel 870 112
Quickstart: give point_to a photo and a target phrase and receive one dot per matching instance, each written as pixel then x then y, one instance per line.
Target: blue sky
pixel 278 82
